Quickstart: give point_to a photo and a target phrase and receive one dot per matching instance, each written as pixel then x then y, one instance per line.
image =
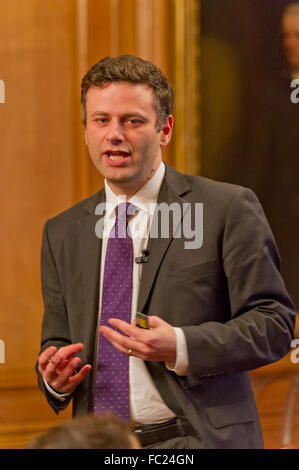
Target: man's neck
pixel 131 190
pixel 145 196
pixel 127 192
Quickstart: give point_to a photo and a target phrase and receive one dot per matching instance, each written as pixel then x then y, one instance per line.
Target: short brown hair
pixel 129 68
pixel 103 431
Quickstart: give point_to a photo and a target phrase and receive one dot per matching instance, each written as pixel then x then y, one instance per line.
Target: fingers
pixel 45 357
pixel 58 366
pixel 138 342
pixel 119 341
pixel 131 330
pixel 52 355
pixel 158 343
pixel 67 352
pixel 156 322
pixel 76 379
pixel 62 365
pixel 68 380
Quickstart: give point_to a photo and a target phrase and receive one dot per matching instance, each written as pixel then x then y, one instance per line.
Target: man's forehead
pixel 124 87
pixel 122 94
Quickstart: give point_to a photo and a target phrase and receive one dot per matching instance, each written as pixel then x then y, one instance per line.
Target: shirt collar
pixel 144 199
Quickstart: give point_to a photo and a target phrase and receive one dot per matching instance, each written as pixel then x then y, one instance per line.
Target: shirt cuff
pixel 59 396
pixel 180 367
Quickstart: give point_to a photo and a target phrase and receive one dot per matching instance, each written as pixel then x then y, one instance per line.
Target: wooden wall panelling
pixel 154 42
pixel 98 15
pixel 45 49
pixel 187 85
pixel 81 160
pixel 37 65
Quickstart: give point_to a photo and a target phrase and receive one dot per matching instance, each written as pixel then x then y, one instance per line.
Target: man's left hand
pixel 158 343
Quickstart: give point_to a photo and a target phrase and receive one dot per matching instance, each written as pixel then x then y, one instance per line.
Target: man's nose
pixel 115 133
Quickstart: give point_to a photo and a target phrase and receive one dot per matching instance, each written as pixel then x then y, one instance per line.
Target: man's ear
pixel 166 131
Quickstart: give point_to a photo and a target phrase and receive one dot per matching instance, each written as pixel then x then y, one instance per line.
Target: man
pixel 214 311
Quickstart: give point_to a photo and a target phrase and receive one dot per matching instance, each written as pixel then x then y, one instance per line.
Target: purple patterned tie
pixel 112 376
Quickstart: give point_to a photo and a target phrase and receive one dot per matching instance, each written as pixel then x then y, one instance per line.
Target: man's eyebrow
pixel 136 114
pixel 126 115
pixel 99 113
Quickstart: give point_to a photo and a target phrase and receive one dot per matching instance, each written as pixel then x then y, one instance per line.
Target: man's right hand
pixel 58 367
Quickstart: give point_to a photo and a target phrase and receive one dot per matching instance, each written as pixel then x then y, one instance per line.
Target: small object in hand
pixel 130 352
pixel 142 320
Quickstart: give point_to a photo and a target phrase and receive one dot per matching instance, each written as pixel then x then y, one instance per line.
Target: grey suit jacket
pixel 227 296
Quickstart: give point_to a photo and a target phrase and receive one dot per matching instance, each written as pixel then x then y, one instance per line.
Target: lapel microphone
pixel 144 258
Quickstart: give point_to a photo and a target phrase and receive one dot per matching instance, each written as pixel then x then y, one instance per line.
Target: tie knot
pixel 124 211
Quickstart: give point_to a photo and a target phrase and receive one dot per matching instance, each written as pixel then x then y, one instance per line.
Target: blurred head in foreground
pixel 105 431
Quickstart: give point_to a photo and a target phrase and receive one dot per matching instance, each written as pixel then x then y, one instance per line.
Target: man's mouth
pixel 117 155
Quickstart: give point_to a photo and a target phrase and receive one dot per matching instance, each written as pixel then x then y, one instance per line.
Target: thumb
pixel 155 322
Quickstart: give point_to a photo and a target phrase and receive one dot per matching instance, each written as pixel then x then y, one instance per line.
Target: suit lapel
pixel 90 247
pixel 174 185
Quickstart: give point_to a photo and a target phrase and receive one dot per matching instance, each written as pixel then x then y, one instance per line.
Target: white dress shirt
pixel 146 404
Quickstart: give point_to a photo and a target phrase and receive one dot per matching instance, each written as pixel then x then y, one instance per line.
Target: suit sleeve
pixel 261 325
pixel 55 328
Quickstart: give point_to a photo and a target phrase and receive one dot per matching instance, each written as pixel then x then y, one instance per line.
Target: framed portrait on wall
pixel 249 57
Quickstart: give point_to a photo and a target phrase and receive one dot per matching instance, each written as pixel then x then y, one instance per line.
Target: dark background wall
pixel 250 129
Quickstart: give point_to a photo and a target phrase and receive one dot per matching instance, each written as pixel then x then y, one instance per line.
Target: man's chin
pixel 119 179
pixel 128 185
pixel 122 180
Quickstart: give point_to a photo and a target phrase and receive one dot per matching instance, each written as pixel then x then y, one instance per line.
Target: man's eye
pixel 134 121
pixel 101 120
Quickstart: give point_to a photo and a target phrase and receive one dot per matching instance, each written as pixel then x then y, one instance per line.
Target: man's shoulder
pixel 206 188
pixel 213 186
pixel 74 213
